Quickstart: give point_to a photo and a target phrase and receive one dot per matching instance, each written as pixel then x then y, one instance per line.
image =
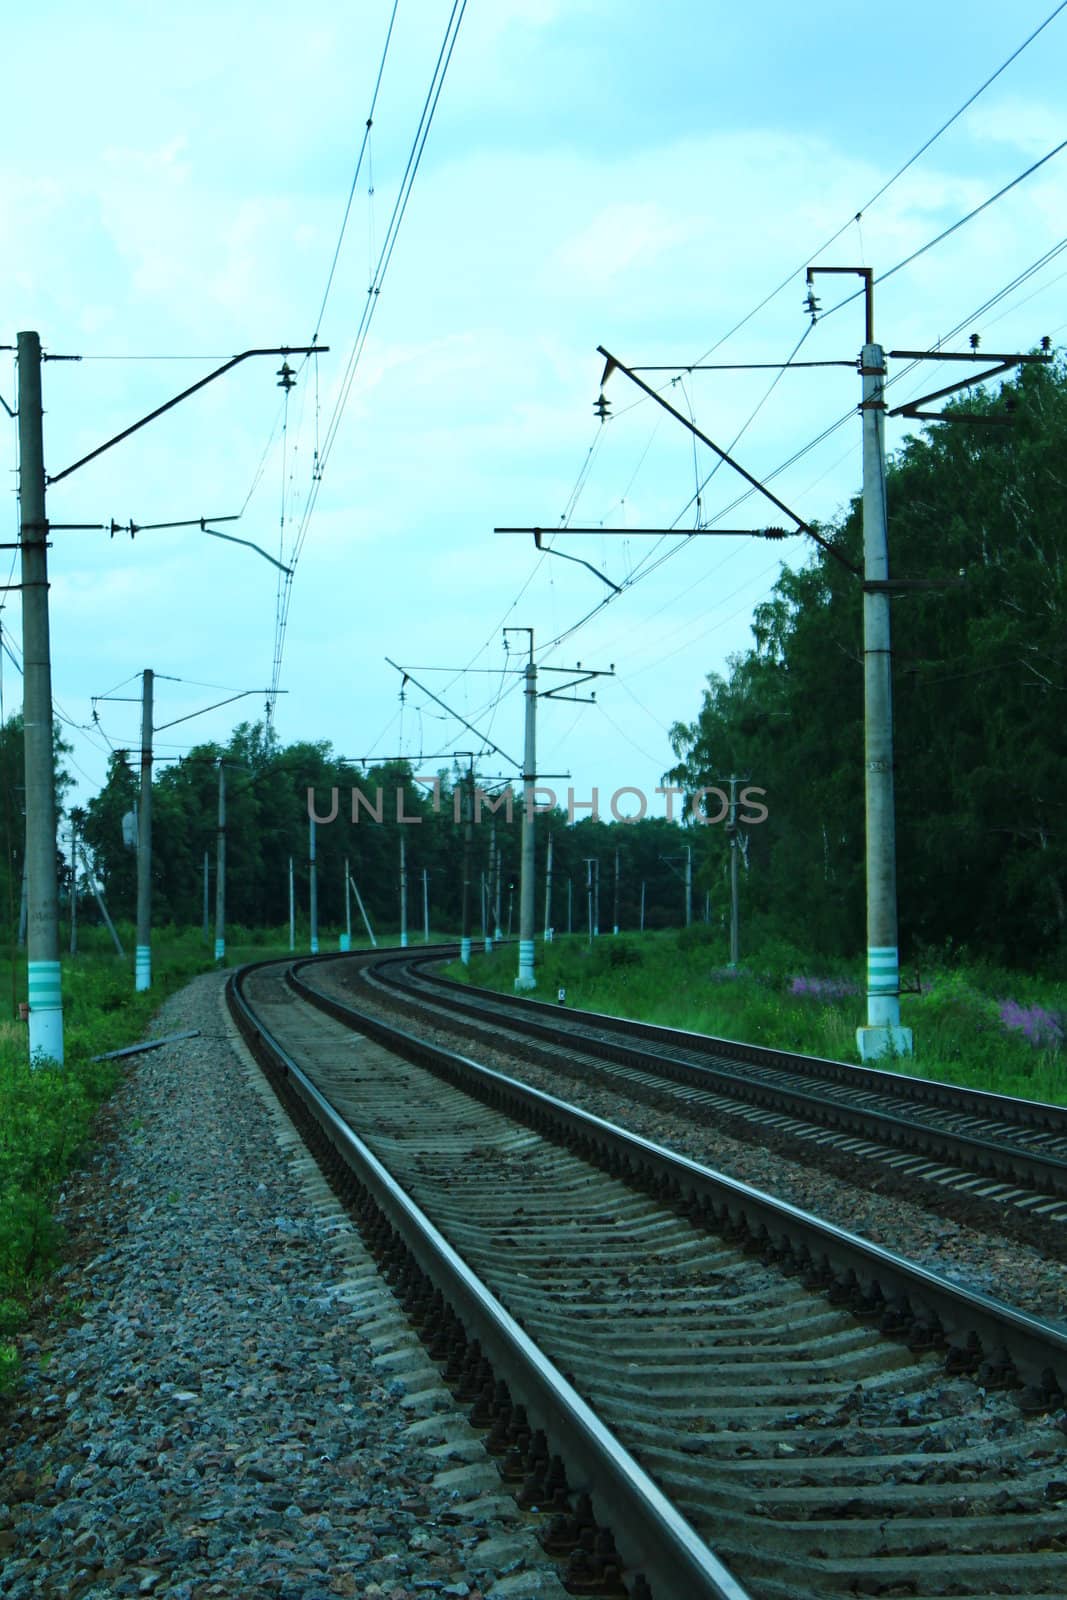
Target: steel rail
pixel 651 1535
pixel 980 1154
pixel 910 1299
pixel 1040 1114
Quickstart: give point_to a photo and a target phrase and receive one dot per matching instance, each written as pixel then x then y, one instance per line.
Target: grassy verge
pixel 979 1026
pixel 46 1113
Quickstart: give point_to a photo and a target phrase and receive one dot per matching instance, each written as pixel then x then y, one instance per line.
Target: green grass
pixel 681 979
pixel 46 1113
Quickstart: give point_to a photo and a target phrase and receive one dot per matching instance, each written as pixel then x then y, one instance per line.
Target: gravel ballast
pixel 230 1403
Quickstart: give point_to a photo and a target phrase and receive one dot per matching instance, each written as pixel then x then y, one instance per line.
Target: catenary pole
pixel 292 907
pixel 498 926
pixel 615 909
pixel 548 890
pixel 425 905
pixel 642 905
pixel 142 959
pixel 346 942
pixel 45 991
pixel 735 914
pixel 314 887
pixel 207 898
pixel 465 906
pixel 404 894
pixel 527 884
pixel 491 919
pixel 220 869
pixel 882 1032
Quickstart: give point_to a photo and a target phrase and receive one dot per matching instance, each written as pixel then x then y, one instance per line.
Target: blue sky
pixel 597 172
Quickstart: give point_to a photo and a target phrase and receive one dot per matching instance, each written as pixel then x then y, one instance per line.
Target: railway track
pixel 710 1369
pixel 988 1153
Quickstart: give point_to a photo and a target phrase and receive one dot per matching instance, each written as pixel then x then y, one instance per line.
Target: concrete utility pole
pixel 548 890
pixel 45 991
pixel 346 937
pixel 589 894
pixel 735 842
pixel 615 911
pixel 527 885
pixel 220 869
pixel 404 895
pixel 292 906
pixel 491 917
pixel 465 907
pixel 142 959
pixel 883 1031
pixel 483 903
pixel 596 897
pixel 498 925
pixel 207 901
pixel 425 906
pixel 314 885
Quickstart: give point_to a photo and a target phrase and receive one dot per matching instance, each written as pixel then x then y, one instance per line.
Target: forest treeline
pixel 980 692
pixel 977 511
pixel 270 788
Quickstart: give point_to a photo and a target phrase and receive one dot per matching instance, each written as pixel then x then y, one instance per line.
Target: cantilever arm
pixel 283 350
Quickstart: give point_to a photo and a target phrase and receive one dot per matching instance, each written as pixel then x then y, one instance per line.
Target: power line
pixel 355 175
pixel 787 280
pixel 953 228
pixel 407 182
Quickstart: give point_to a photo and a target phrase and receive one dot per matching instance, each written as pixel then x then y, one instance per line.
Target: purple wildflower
pixel 824 989
pixel 1043 1029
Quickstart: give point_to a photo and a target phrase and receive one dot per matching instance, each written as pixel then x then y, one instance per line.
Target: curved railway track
pixel 716 1371
pixel 987 1153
